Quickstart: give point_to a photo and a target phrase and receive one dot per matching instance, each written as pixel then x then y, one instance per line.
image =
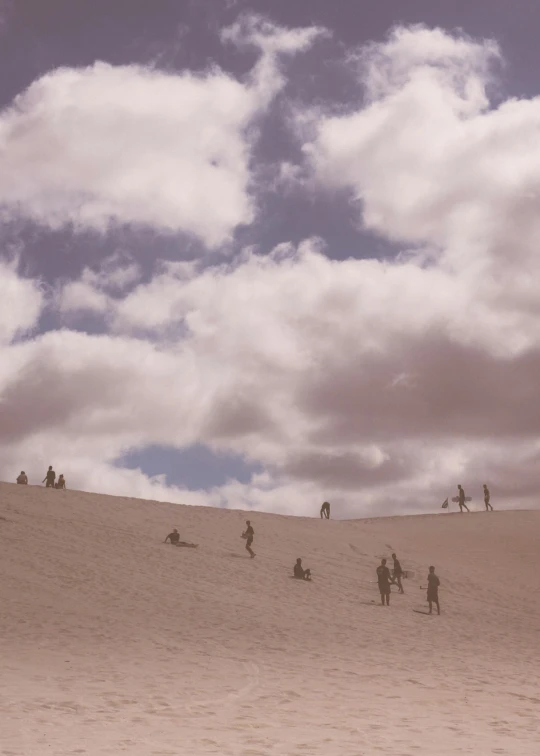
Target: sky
pixel 260 255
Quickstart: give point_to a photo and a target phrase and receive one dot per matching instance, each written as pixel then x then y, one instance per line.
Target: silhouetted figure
pixel 461 499
pixel 433 590
pixel 61 482
pixel 325 510
pixel 487 498
pixel 173 537
pixel 49 478
pixel 299 572
pixel 23 478
pixel 249 534
pixel 383 578
pixel 398 573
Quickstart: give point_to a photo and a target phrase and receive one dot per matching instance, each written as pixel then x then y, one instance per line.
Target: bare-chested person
pixel 50 477
pixel 22 479
pixel 487 497
pixel 173 537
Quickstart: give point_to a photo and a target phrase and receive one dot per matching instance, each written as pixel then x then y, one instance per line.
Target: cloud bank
pixel 375 384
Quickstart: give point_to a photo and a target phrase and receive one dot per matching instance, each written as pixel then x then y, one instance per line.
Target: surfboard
pixel 456 499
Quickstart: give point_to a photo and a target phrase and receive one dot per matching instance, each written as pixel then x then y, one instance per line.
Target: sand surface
pixel 114 643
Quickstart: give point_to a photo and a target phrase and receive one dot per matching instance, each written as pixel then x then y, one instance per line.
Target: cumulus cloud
pixel 377 385
pixel 134 145
pixel 21 303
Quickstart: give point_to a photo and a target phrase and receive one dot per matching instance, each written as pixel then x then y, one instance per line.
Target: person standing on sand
pixel 433 590
pixel 398 573
pixel 461 499
pixel 383 579
pixel 486 499
pixel 23 478
pixel 325 510
pixel 49 478
pixel 249 534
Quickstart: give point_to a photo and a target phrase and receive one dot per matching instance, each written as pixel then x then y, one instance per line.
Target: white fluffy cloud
pixel 376 385
pixel 133 145
pixel 20 305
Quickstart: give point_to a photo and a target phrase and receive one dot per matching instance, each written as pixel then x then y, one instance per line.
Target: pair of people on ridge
pixel 462 498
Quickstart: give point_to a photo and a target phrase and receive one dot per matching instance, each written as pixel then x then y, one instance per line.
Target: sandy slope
pixel 112 642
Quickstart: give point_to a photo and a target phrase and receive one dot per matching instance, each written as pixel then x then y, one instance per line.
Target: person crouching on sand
pixel 61 482
pixel 433 590
pixel 23 478
pixel 325 510
pixel 249 534
pixel 299 572
pixel 383 579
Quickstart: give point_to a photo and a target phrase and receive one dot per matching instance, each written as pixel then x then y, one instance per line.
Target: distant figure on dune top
pixel 49 478
pixel 173 537
pixel 325 510
pixel 461 499
pixel 487 498
pixel 249 534
pixel 433 590
pixel 299 572
pixel 23 478
pixel 398 573
pixel 383 579
pixel 61 482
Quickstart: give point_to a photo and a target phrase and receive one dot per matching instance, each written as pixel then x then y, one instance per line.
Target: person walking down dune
pixel 249 534
pixel 49 478
pixel 433 590
pixel 383 579
pixel 22 478
pixel 173 537
pixel 299 572
pixel 461 499
pixel 61 482
pixel 325 510
pixel 398 574
pixel 487 498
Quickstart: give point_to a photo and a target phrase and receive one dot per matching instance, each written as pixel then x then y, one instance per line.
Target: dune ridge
pixel 113 642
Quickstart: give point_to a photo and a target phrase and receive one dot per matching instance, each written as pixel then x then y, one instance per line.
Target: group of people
pixel 461 499
pixel 49 479
pixel 385 579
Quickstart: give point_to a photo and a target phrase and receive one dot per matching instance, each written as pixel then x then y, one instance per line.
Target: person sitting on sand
pixel 398 574
pixel 61 482
pixel 23 478
pixel 487 498
pixel 248 534
pixel 433 590
pixel 299 572
pixel 49 478
pixel 383 579
pixel 173 537
pixel 325 510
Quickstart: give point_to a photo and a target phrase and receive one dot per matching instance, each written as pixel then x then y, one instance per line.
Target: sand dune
pixel 112 642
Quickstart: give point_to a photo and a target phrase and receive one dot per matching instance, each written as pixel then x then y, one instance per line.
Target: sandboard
pixel 188 545
pixel 456 499
pixel 300 580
